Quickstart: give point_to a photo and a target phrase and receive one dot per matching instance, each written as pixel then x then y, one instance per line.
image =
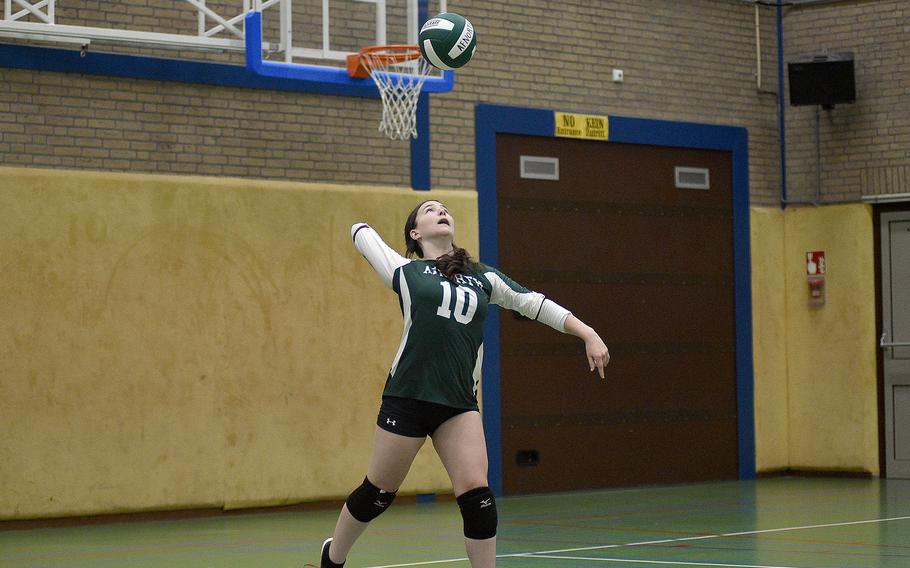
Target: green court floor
pixel 781 522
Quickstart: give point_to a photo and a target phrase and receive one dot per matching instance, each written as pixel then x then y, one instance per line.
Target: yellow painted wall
pixel 171 342
pixel 815 368
pixel 769 333
pixel 832 350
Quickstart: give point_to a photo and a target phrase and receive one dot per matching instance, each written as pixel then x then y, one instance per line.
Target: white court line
pixel 673 563
pixel 649 542
pixel 723 535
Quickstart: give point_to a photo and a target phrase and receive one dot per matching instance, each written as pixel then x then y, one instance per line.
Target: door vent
pixel 538 167
pixel 692 178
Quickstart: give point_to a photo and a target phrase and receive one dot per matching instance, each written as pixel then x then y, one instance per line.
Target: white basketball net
pixel 399 86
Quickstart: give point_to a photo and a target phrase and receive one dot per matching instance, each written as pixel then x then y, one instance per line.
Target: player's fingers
pixel 600 368
pixel 591 362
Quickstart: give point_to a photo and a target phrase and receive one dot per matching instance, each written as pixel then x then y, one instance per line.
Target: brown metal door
pixel 650 267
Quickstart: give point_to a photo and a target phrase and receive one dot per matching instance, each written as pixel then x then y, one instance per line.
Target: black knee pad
pixel 478 510
pixel 368 501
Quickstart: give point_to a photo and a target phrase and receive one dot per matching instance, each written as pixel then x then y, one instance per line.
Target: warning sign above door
pixel 589 126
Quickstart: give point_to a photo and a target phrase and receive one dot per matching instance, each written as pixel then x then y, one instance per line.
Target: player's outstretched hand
pixel 597 352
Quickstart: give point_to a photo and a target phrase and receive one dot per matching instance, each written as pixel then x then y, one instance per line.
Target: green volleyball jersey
pixel 440 355
pixel 441 350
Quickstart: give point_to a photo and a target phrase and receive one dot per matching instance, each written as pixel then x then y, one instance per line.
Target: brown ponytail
pixel 456 262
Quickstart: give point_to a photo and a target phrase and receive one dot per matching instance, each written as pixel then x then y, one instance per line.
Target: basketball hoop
pixel 399 72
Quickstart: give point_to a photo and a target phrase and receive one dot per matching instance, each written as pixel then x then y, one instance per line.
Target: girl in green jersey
pixel 431 389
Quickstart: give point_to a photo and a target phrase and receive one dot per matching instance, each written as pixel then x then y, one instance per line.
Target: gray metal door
pixel 895 340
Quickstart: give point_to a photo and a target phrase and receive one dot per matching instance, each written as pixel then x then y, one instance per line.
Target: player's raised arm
pixel 381 256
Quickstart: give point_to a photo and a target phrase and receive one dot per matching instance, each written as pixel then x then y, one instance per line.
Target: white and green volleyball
pixel 447 41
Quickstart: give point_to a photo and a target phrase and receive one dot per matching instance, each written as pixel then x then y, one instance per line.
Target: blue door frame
pixel 491 120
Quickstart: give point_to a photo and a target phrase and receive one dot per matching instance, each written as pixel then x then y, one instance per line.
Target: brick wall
pixel 688 61
pixel 865 146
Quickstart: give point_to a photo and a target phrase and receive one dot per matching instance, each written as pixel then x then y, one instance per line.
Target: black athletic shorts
pixel 414 418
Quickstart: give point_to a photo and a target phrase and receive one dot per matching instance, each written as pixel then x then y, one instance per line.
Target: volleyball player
pixel 431 389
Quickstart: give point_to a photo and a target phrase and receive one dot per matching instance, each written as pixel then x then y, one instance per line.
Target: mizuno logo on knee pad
pixel 368 501
pixel 478 509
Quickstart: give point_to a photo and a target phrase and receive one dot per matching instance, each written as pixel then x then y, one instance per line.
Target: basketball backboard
pixel 299 40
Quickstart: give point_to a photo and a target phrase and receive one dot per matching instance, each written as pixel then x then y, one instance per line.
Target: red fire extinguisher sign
pixel 815 263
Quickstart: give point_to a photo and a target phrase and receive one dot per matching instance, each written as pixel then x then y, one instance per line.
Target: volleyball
pixel 447 41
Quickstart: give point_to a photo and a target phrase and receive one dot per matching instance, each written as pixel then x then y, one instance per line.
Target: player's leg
pixel 461 446
pixel 389 464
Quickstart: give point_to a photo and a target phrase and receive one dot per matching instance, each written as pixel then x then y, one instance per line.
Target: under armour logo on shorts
pixel 390 421
pixel 485 503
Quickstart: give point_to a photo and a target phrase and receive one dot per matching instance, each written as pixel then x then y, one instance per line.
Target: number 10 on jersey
pixel 465 303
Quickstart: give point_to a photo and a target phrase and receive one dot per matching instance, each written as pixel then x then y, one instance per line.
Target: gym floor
pixel 769 523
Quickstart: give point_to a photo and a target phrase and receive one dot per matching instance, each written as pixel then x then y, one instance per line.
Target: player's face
pixel 433 220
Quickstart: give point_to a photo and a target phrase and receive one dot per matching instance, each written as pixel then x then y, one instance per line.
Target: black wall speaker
pixel 821 79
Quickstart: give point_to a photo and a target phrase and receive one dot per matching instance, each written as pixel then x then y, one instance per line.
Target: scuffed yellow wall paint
pixel 815 368
pixel 170 342
pixel 832 349
pixel 769 339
